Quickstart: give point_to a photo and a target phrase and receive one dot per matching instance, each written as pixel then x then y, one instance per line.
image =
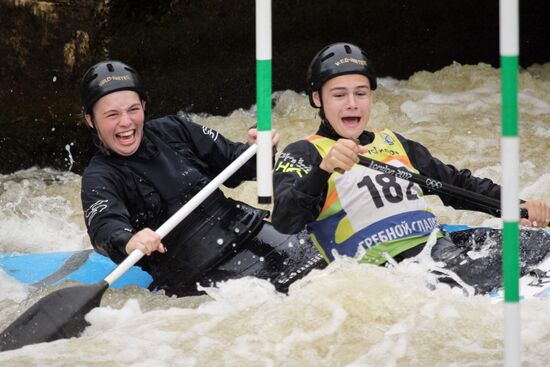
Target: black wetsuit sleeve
pixel 429 166
pixel 107 218
pixel 300 187
pixel 213 151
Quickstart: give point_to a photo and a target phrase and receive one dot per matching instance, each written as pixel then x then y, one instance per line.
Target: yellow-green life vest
pixel 370 211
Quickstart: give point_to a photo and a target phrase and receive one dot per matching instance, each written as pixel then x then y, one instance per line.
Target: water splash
pixel 70 156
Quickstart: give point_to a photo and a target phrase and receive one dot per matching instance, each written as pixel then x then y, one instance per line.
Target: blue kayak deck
pixel 86 266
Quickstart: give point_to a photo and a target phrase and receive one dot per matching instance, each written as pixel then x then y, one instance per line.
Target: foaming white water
pixel 40 212
pixel 346 315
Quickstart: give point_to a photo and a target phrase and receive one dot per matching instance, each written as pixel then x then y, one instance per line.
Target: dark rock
pixel 199 56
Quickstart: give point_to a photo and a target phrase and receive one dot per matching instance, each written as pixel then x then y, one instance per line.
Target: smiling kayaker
pixel 145 171
pixel 347 206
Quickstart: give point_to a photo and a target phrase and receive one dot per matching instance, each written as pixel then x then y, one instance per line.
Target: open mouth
pixel 351 121
pixel 126 136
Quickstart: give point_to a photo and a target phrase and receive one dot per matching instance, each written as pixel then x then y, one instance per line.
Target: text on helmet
pixel 110 78
pixel 346 60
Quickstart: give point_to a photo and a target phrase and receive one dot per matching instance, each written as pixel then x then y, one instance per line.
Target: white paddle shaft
pixel 184 211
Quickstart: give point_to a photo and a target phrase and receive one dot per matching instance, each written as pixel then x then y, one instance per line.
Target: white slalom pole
pixel 509 50
pixel 263 101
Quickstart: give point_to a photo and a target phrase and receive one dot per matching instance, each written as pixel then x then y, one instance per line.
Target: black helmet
pixel 107 77
pixel 334 60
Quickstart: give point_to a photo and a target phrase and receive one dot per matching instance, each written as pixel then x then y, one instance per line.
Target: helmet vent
pixel 89 77
pixel 110 67
pixel 348 49
pixel 328 56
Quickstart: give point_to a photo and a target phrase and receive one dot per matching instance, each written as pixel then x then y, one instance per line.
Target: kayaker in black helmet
pixel 348 207
pixel 145 171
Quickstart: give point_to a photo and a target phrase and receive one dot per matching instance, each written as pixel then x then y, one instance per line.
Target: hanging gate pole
pixel 509 46
pixel 263 101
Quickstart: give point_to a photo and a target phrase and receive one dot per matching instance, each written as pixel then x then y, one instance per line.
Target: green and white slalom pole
pixel 263 101
pixel 509 46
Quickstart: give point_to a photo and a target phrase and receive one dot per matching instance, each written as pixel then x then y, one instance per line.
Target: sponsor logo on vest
pixel 388 139
pixel 399 173
pixel 382 150
pixel 400 230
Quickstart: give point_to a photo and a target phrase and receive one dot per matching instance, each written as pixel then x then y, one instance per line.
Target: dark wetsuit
pixel 221 239
pixel 301 191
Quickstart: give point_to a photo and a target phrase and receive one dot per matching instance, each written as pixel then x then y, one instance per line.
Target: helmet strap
pixel 96 139
pixel 324 121
pixel 322 114
pixel 321 111
pixel 322 108
pixel 99 144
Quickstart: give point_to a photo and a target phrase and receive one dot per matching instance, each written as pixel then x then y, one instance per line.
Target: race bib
pixel 368 195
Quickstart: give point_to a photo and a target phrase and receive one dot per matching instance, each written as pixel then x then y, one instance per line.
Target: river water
pixel 345 315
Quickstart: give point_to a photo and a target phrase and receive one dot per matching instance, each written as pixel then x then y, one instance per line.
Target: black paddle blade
pixel 58 315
